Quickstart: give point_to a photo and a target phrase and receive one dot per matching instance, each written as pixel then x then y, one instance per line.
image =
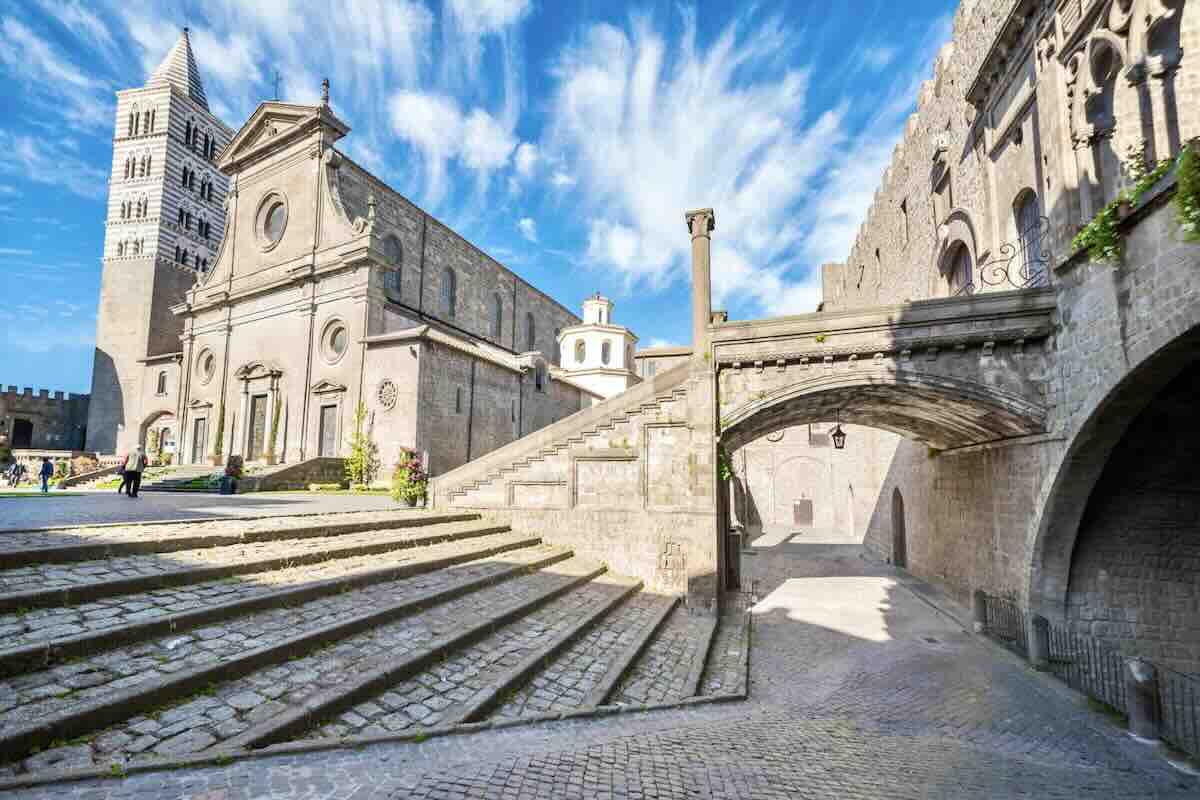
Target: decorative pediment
pixel 257 369
pixel 327 387
pixel 274 125
pixel 197 404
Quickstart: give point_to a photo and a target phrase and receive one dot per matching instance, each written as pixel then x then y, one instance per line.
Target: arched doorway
pixel 899 536
pixel 22 437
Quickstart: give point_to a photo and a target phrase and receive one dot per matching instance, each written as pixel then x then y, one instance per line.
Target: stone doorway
pixel 199 440
pixel 328 446
pixel 22 434
pixel 802 513
pixel 899 535
pixel 258 427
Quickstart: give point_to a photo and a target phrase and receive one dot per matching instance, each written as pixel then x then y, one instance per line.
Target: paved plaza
pixel 860 687
pixel 106 506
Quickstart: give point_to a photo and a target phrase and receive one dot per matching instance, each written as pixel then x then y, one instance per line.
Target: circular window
pixel 272 220
pixel 387 394
pixel 335 341
pixel 206 366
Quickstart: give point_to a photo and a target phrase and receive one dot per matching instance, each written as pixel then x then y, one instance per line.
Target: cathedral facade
pixel 268 297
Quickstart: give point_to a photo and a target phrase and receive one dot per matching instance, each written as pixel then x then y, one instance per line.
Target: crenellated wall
pixel 55 421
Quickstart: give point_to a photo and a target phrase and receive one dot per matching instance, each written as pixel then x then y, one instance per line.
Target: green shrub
pixel 409 480
pixel 362 465
pixel 1187 193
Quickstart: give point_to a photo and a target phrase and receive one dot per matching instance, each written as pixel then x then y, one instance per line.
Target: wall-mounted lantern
pixel 838 435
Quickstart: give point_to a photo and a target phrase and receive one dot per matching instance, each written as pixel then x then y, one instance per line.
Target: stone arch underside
pixel 1065 498
pixel 941 411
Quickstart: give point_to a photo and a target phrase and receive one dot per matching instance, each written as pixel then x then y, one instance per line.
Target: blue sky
pixel 565 138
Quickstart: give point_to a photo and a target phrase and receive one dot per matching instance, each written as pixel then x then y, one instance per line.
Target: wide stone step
pixel 670 668
pixel 38 638
pixel 69 700
pixel 372 663
pixel 586 673
pixel 48 585
pixel 467 685
pixel 85 543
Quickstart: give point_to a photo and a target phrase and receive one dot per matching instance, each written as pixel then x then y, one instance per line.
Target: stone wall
pixel 57 422
pixel 1135 572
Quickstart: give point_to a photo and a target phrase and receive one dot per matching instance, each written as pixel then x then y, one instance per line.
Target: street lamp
pixel 838 435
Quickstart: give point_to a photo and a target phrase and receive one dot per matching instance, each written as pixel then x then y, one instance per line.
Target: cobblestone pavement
pixel 726 658
pixel 859 689
pixel 231 707
pixel 656 677
pixel 438 695
pixel 71 685
pixel 40 625
pixel 242 556
pixel 569 679
pixel 107 507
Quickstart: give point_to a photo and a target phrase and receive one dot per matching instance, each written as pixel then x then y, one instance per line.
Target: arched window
pixel 449 292
pixel 132 117
pixel 177 254
pixel 497 316
pixel 580 351
pixel 162 383
pixel 191 179
pixel 530 331
pixel 187 132
pixel 185 258
pixel 153 114
pixel 1027 213
pixel 183 178
pixel 146 121
pixel 960 276
pixel 120 248
pixel 606 352
pixel 539 377
pixel 187 221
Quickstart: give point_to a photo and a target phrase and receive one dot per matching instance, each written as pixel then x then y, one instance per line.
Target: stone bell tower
pixel 164 225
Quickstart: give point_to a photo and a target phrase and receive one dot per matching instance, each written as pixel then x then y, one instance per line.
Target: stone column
pixel 701 223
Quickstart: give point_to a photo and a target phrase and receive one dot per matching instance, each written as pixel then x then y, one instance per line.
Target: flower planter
pixel 411 502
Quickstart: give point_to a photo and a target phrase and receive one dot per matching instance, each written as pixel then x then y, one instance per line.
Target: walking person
pixel 134 468
pixel 47 472
pixel 124 474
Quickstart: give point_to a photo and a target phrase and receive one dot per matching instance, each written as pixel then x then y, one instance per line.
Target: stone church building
pixel 260 287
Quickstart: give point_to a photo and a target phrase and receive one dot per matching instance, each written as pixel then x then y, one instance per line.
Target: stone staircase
pixel 143 645
pixel 466 484
pixel 184 478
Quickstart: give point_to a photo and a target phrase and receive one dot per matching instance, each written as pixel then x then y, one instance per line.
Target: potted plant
pixel 233 473
pixel 409 480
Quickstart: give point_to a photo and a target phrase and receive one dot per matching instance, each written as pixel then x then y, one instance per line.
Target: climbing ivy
pixel 1187 193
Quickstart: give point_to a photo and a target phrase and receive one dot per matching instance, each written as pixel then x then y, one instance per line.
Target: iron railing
pixel 1083 664
pixel 1179 709
pixel 1023 264
pixel 1088 666
pixel 1006 624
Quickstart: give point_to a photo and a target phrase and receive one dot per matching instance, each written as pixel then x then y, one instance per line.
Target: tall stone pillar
pixel 701 223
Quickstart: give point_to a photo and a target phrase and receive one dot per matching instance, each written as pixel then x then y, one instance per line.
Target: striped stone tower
pixel 165 222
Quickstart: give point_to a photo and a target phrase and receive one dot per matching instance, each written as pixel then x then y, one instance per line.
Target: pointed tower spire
pixel 179 69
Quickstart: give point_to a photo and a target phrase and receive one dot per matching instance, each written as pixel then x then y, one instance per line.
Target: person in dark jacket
pixel 47 473
pixel 134 466
pixel 124 475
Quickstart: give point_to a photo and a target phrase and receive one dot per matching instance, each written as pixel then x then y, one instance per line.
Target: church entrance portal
pixel 199 440
pixel 802 513
pixel 328 431
pixel 258 427
pixel 22 434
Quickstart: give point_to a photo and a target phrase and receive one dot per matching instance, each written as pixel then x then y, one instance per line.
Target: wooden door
pixel 258 427
pixel 199 440
pixel 328 432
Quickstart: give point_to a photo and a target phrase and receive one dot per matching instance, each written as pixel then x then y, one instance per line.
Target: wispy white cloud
pixel 51 162
pixel 51 79
pixel 878 56
pixel 440 131
pixel 528 228
pixel 651 129
pixel 526 159
pixel 14 251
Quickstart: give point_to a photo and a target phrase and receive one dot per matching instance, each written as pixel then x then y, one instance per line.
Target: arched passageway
pixel 22 435
pixel 1135 570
